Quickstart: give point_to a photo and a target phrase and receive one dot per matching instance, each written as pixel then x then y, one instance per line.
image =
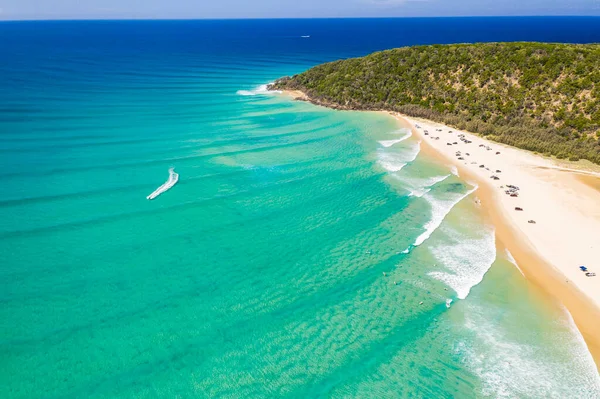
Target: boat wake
pixel 171 181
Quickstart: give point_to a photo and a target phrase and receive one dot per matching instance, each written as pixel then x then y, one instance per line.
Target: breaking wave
pixel 395 161
pixel 389 143
pixel 260 90
pixel 527 370
pixel 421 186
pixel 465 260
pixel 439 210
pixel 512 260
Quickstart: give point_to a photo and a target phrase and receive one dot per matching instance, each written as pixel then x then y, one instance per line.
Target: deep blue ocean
pixel 303 252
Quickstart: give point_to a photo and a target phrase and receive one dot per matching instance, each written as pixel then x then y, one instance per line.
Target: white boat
pixel 171 181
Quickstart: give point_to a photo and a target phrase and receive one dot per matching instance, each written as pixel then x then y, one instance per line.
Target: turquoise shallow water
pixel 303 253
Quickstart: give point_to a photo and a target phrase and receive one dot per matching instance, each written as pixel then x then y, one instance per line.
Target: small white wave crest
pixel 394 161
pixel 389 143
pixel 512 260
pixel 439 210
pixel 260 90
pixel 421 186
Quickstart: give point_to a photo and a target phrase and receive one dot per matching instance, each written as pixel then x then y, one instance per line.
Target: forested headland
pixel 536 96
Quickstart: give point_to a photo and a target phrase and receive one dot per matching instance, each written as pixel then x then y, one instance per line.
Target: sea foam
pixel 465 260
pixel 439 210
pixel 421 186
pixel 260 90
pixel 512 260
pixel 389 143
pixel 394 161
pixel 511 369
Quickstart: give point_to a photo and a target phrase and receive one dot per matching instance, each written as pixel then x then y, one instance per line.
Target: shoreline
pixel 564 202
pixel 582 304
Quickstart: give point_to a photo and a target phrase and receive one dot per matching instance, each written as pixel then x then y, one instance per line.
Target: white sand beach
pixel 566 212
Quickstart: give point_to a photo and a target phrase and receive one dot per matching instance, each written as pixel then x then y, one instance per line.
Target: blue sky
pixel 102 9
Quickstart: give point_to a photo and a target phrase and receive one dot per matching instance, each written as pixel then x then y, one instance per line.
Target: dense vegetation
pixel 540 97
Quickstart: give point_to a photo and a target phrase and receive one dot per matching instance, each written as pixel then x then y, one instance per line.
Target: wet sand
pixel 592 181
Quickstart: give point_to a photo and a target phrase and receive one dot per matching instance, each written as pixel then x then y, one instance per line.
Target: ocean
pixel 302 253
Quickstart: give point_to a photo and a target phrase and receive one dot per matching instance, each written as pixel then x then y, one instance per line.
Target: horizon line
pixel 292 18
